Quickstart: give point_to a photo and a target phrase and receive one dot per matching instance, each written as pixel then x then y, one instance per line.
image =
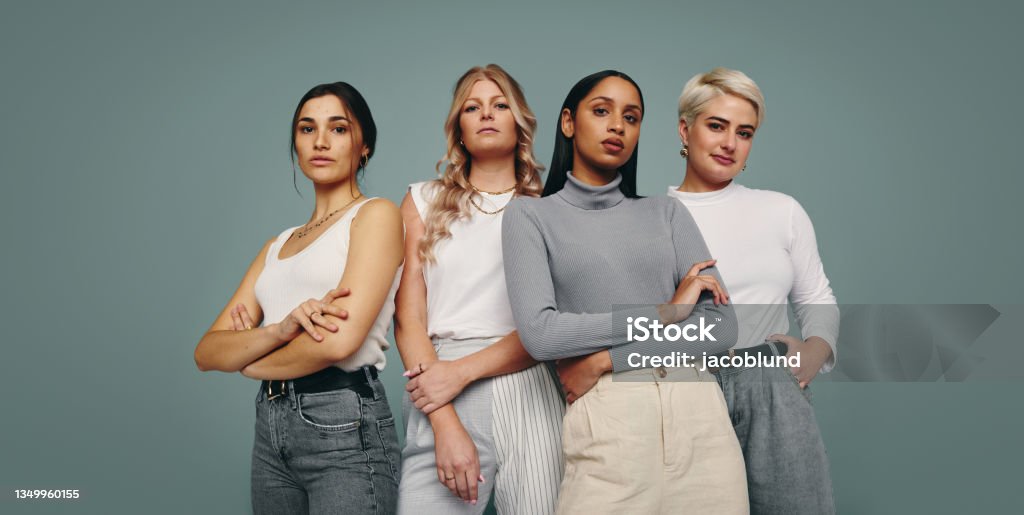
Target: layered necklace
pixel 480 191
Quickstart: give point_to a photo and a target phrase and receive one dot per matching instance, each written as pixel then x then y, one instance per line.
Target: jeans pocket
pixel 804 392
pixel 389 443
pixel 337 411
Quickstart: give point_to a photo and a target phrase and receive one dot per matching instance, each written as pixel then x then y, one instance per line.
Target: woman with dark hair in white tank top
pixel 310 320
pixel 483 416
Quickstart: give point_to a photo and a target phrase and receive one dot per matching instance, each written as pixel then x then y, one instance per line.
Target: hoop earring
pixel 685 152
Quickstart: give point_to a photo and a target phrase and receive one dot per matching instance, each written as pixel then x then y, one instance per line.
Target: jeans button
pixel 661 372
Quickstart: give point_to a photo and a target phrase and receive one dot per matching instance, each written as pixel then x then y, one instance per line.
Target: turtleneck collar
pixel 585 196
pixel 705 198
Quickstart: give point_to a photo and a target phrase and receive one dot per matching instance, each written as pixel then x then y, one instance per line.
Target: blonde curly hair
pixel 452 192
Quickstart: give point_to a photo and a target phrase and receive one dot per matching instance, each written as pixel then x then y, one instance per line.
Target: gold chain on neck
pixel 306 229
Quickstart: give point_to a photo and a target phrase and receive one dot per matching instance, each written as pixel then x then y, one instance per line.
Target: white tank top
pixel 466 292
pixel 315 270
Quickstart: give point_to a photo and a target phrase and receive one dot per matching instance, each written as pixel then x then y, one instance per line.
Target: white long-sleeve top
pixel 768 257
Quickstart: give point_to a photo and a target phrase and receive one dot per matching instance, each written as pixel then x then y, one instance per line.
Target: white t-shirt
pixel 768 256
pixel 466 292
pixel 315 270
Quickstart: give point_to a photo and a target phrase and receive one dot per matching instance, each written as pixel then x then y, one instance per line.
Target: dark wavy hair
pixel 356 106
pixel 561 159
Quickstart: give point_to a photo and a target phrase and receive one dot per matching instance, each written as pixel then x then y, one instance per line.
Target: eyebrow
pixel 723 120
pixel 475 99
pixel 331 119
pixel 608 99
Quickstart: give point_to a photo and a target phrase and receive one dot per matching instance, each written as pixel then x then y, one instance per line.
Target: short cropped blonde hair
pixel 705 87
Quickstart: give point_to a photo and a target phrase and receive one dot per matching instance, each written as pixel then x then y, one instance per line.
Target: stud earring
pixel 685 152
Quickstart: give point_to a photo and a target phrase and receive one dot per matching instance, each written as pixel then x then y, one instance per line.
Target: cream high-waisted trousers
pixel 652 441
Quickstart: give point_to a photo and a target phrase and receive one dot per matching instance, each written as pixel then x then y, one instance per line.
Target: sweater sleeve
pixel 546 332
pixel 689 249
pixel 811 296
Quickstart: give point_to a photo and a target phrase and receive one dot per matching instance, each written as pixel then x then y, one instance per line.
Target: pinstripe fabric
pixel 527 410
pixel 515 421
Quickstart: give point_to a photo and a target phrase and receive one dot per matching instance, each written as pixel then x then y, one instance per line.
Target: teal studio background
pixel 144 157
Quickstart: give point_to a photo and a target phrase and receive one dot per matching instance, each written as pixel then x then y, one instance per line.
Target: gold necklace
pixel 307 228
pixel 486 212
pixel 478 190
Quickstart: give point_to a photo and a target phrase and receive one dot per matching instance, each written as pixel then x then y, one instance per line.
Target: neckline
pixel 277 253
pixel 585 196
pixel 706 197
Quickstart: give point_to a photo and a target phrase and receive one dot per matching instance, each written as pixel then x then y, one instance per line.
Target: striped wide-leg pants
pixel 515 420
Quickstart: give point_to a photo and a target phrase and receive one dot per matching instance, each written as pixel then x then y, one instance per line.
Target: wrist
pixel 274 331
pixel 603 362
pixel 467 370
pixel 819 345
pixel 444 419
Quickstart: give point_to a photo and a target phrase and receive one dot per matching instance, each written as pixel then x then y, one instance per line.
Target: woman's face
pixel 719 140
pixel 328 143
pixel 606 127
pixel 487 125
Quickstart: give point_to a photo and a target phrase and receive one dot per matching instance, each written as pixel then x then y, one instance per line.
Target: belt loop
pixel 292 396
pixel 369 382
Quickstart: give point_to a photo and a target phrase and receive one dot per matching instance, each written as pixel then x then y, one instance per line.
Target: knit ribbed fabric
pixel 573 257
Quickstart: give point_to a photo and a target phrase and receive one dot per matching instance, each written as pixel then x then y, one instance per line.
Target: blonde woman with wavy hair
pixel 482 416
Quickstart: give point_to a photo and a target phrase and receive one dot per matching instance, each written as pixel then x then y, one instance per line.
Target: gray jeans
pixel 787 467
pixel 328 452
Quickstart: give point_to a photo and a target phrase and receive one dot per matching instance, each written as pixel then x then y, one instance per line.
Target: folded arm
pixel 374 256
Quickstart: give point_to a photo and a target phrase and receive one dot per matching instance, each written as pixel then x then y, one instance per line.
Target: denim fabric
pixel 329 452
pixel 787 466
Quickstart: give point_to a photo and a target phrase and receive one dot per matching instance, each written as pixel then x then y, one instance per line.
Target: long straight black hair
pixel 357 107
pixel 561 159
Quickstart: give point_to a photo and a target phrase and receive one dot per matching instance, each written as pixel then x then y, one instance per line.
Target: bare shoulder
pixel 379 211
pixel 410 212
pixel 379 215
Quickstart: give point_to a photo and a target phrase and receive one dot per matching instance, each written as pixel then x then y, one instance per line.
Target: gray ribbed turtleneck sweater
pixel 573 256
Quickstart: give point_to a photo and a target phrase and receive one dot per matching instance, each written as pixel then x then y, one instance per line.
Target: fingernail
pixel 473 502
pixel 405 374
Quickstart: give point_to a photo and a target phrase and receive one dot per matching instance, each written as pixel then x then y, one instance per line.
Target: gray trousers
pixel 787 467
pixel 515 420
